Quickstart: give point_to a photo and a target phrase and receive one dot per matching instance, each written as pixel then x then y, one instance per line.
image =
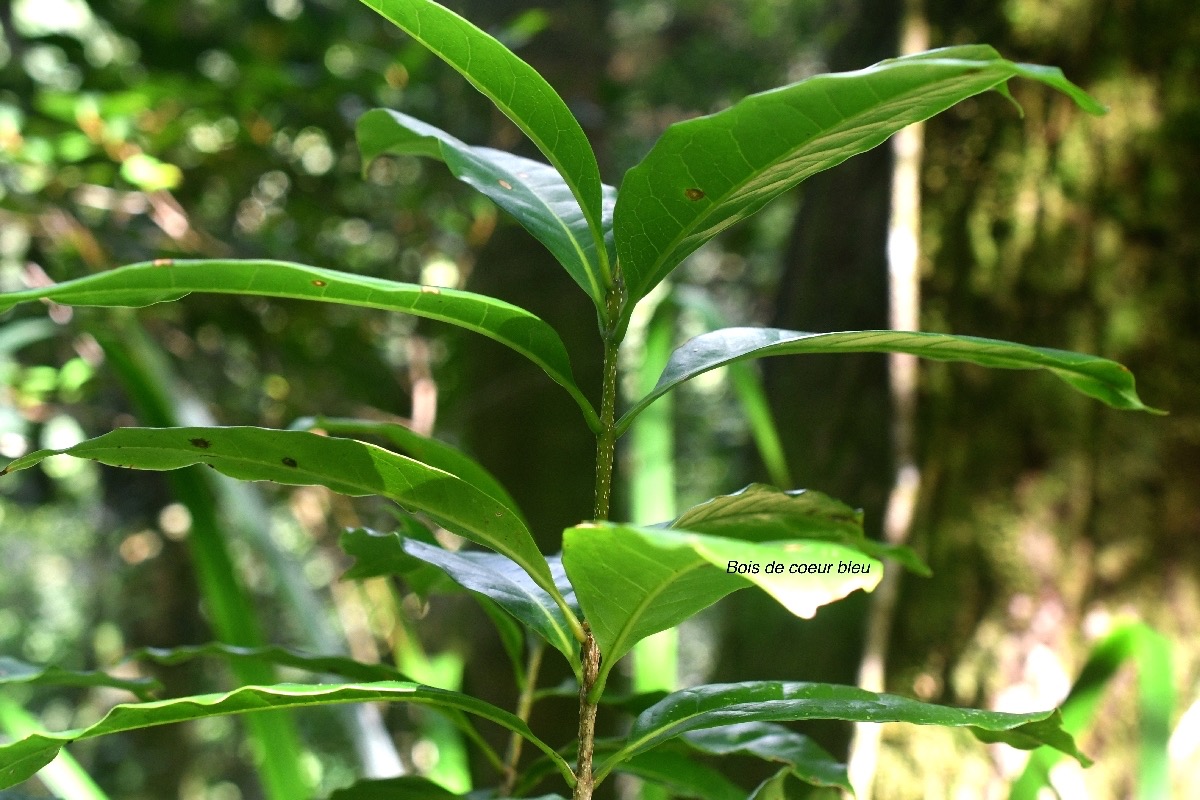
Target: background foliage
pixel 135 130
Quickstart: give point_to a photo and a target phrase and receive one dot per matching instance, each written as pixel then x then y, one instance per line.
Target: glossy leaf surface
pixel 501 580
pixel 342 666
pixel 785 785
pixel 306 459
pixel 682 776
pixel 150 282
pixel 772 742
pixel 1096 377
pixel 706 174
pixel 761 513
pixel 518 91
pixel 425 449
pixel 379 554
pixel 408 787
pixel 532 192
pixel 633 582
pixel 781 701
pixel 21 759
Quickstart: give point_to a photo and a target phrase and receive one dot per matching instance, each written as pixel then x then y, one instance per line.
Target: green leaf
pixel 771 742
pixel 346 466
pixel 682 776
pixel 408 787
pixel 780 701
pixel 425 449
pixel 163 280
pixel 633 582
pixel 518 91
pixel 21 759
pixel 341 666
pixel 499 579
pixel 14 671
pixel 761 513
pixel 706 174
pixel 785 785
pixel 1096 377
pixel 533 192
pixel 380 554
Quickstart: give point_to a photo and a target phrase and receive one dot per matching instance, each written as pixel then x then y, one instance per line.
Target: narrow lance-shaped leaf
pixel 342 666
pixel 761 513
pixel 633 582
pixel 305 459
pixel 518 91
pixel 706 174
pixel 163 280
pixel 782 701
pixel 772 742
pixel 498 578
pixel 20 760
pixel 682 776
pixel 408 787
pixel 533 192
pixel 13 671
pixel 425 449
pixel 1096 377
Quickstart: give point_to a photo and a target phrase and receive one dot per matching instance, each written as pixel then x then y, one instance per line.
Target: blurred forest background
pixel 132 130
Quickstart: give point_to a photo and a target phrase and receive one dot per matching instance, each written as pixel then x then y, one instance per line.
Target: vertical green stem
pixel 606 440
pixel 606 444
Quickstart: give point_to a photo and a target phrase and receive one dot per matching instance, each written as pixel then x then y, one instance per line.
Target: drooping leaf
pixel 379 554
pixel 1096 377
pixel 499 579
pixel 14 671
pixel 706 174
pixel 761 513
pixel 305 459
pixel 781 701
pixel 163 280
pixel 533 192
pixel 425 449
pixel 771 742
pixel 407 787
pixel 518 91
pixel 682 776
pixel 21 759
pixel 785 785
pixel 633 582
pixel 342 666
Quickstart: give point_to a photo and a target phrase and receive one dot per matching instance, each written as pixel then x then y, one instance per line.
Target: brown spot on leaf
pixel 694 194
pixel 203 444
pixel 163 262
pixel 505 184
pixel 319 284
pixel 288 461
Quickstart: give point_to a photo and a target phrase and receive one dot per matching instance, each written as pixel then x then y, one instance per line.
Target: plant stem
pixel 524 706
pixel 606 440
pixel 606 444
pixel 584 780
